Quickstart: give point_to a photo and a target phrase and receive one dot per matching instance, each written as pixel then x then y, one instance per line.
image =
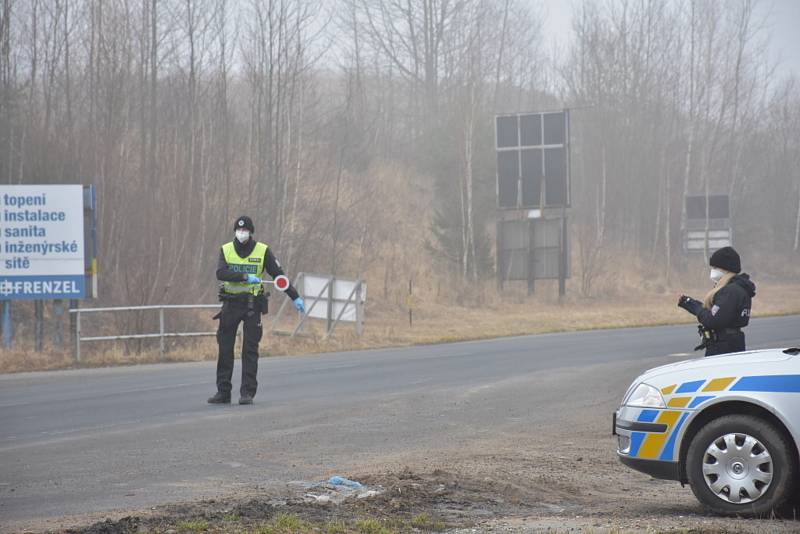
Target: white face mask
pixel 242 235
pixel 716 275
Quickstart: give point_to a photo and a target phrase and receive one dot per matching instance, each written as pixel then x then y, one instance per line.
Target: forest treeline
pixel 359 134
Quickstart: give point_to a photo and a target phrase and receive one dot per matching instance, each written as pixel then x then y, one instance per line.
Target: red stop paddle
pixel 281 282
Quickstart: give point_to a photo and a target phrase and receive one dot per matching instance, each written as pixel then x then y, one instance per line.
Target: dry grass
pixel 479 313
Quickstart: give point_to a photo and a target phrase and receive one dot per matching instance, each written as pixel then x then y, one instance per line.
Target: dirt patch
pixel 437 500
pixel 456 498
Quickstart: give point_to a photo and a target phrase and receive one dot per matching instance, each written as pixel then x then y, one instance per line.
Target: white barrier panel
pixel 342 290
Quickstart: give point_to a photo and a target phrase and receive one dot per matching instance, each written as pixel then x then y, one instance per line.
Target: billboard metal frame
pixel 519 148
pixel 542 211
pixel 706 234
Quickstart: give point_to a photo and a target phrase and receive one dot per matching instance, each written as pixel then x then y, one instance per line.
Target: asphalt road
pixel 91 441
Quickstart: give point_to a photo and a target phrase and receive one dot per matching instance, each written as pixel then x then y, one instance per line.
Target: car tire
pixel 741 458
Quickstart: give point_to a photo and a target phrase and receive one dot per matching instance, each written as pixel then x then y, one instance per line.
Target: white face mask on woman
pixel 242 235
pixel 716 275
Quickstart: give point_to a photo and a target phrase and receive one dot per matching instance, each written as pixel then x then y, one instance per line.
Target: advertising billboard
pixel 532 160
pixel 42 250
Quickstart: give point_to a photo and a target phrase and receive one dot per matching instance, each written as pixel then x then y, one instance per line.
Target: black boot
pixel 246 399
pixel 220 398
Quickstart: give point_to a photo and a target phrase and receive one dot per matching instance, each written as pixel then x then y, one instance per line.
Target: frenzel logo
pixel 247 269
pixel 38 287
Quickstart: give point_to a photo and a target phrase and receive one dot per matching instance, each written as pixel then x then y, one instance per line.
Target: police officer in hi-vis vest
pixel 241 265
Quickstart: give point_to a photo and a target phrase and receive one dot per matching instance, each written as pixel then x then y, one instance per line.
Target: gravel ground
pixel 555 478
pixel 499 436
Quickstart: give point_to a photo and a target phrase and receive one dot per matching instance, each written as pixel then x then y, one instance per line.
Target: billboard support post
pixel 8 325
pixel 58 326
pixel 38 327
pixel 499 256
pixel 531 258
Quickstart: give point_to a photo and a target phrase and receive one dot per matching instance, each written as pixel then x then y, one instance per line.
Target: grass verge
pixel 388 325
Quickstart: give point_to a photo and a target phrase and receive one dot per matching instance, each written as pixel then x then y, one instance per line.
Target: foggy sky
pixel 781 16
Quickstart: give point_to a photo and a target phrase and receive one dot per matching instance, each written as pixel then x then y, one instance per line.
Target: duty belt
pixel 708 336
pixel 246 299
pixel 729 331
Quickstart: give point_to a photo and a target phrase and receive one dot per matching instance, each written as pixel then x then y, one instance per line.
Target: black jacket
pixel 731 305
pixel 271 266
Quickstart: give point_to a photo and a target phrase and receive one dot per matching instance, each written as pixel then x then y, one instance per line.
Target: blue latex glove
pixel 300 305
pixel 253 279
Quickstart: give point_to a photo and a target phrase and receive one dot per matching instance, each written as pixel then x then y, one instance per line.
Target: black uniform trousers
pixel 233 313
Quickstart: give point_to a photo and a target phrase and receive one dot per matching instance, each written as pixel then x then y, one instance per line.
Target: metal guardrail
pixel 161 334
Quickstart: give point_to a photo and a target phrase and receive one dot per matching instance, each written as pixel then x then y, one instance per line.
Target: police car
pixel 728 425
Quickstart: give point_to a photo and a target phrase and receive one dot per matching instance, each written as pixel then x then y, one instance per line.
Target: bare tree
pixel 368 124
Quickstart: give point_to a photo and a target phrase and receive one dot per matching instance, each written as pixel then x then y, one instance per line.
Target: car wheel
pixel 741 465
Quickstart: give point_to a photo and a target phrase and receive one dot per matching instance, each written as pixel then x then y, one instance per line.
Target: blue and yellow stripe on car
pixel 768 383
pixel 685 397
pixel 653 443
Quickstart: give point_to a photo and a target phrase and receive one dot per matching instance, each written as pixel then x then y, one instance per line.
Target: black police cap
pixel 244 223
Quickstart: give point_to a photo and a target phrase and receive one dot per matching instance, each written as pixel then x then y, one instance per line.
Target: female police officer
pixel 726 308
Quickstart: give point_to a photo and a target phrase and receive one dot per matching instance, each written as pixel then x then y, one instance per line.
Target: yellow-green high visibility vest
pixel 252 264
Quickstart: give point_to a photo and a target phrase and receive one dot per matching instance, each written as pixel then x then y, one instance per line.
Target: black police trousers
pixel 231 315
pixel 726 343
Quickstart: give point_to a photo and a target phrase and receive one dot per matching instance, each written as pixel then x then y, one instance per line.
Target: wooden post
pixel 331 287
pixel 563 258
pixel 410 304
pixel 359 311
pixel 161 332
